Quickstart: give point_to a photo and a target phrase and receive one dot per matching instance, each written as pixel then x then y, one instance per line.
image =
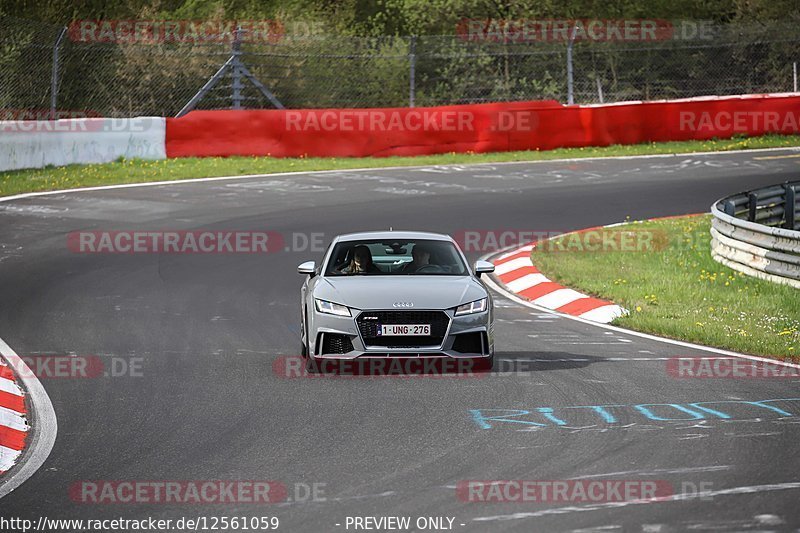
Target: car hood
pixel 381 292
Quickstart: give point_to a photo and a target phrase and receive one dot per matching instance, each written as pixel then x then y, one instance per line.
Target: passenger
pixel 420 257
pixel 361 263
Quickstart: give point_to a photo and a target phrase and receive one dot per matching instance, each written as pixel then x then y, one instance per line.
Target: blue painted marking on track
pixel 482 420
pixel 658 412
pixel 548 414
pixel 645 409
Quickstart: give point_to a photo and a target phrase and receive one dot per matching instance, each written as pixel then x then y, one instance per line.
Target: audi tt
pixel 393 294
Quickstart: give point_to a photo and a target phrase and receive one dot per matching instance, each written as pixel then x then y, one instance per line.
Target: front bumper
pixel 468 336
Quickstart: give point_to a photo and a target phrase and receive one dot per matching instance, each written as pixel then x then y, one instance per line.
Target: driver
pixel 361 263
pixel 420 257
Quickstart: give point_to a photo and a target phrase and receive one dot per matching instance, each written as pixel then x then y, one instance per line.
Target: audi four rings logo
pixel 403 304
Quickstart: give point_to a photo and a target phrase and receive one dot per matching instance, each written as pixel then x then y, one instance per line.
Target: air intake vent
pixel 469 343
pixel 333 343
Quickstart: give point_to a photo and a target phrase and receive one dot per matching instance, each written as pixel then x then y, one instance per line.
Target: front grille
pixel 469 342
pixel 334 343
pixel 370 321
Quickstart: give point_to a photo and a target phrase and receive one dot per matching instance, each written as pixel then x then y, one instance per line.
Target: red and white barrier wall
pixel 38 143
pixel 498 127
pixel 537 125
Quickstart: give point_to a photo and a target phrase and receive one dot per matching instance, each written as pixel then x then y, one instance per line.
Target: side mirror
pixel 483 267
pixel 309 268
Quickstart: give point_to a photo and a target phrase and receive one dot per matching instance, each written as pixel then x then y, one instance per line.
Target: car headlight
pixel 478 306
pixel 330 308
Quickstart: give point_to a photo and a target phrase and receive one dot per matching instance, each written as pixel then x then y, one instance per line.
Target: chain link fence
pixel 45 69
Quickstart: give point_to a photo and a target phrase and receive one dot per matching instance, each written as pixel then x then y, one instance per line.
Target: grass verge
pixel 673 288
pixel 138 171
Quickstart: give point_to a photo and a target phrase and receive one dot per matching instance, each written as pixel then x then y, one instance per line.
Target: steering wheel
pixel 428 268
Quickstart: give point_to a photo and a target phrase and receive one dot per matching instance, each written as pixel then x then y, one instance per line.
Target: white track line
pixel 513 297
pixel 44 425
pixel 373 169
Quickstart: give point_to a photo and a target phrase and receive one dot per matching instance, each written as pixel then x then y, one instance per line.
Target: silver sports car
pixel 393 294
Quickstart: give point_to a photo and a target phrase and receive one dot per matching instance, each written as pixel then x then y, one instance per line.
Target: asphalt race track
pixel 204 330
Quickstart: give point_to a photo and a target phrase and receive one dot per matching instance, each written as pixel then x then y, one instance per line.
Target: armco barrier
pixel 746 235
pixel 474 128
pixel 36 144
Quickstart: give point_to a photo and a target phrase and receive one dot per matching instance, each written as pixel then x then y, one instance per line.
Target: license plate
pixel 405 330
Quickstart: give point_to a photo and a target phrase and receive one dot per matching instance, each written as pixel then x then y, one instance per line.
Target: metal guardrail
pixel 756 233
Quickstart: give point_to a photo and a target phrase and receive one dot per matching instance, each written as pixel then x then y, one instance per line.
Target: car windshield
pixel 396 257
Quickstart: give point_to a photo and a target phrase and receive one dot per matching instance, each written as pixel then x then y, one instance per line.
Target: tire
pixel 303 350
pixel 303 343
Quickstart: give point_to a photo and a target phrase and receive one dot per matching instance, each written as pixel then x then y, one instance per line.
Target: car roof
pixel 402 235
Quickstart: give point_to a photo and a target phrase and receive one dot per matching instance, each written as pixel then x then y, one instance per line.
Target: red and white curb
pixel 516 271
pixel 13 420
pixel 28 423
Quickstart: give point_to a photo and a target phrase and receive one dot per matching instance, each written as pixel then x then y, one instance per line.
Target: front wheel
pixel 303 339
